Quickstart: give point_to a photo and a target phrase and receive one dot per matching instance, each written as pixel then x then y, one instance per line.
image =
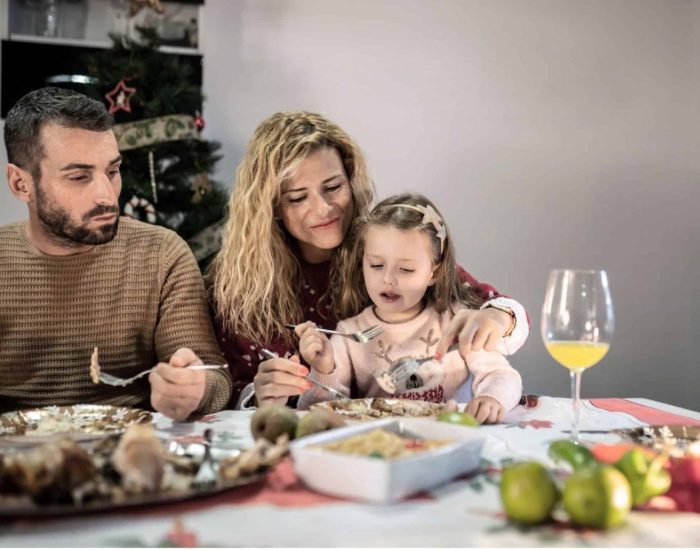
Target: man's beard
pixel 58 223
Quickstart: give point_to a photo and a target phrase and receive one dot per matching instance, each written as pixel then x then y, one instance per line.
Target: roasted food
pixel 140 459
pixel 94 368
pixel 380 407
pixel 48 473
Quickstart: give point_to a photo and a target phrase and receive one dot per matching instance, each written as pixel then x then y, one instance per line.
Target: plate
pixel 678 440
pixel 103 490
pixel 79 422
pixel 380 407
pixel 20 507
pixel 380 480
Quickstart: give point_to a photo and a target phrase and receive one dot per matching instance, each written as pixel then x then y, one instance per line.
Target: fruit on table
pixel 597 496
pixel 528 492
pixel 455 417
pixel 318 421
pixel 271 421
pixel 647 477
pixel 575 454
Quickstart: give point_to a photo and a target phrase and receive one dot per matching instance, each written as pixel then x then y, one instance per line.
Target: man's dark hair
pixel 48 105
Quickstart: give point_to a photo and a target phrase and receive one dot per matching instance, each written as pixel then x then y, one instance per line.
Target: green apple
pixel 528 492
pixel 575 454
pixel 598 496
pixel 455 417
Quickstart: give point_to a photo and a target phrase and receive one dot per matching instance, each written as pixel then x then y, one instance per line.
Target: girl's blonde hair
pixel 255 278
pixel 351 296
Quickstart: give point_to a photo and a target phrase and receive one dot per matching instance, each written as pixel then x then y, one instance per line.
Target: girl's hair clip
pixel 430 217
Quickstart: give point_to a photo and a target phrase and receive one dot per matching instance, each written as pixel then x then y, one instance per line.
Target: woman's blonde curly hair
pixel 255 278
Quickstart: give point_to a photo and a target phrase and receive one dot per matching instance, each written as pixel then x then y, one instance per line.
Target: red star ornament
pixel 120 98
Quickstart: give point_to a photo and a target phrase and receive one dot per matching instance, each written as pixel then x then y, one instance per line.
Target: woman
pixel 297 190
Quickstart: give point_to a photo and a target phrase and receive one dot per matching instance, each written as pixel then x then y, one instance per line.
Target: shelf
pixel 30 38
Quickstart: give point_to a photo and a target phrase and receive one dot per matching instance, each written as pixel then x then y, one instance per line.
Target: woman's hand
pixel 315 347
pixel 279 379
pixel 486 410
pixel 475 329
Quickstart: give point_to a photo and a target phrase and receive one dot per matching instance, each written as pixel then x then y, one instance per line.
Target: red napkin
pixel 644 413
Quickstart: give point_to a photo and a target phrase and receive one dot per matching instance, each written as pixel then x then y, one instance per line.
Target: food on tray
pixel 676 441
pixel 50 425
pixel 94 368
pixel 140 459
pixel 379 407
pixel 318 420
pixel 47 473
pixel 262 455
pixel 77 421
pixel 136 468
pixel 271 421
pixel 382 443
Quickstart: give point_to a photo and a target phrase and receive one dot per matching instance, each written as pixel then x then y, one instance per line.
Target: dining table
pixel 279 510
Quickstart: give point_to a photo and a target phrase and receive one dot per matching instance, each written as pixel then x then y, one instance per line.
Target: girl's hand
pixel 315 347
pixel 279 379
pixel 486 410
pixel 475 329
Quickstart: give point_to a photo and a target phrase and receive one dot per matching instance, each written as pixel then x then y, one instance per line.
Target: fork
pixel 267 354
pixel 391 378
pixel 362 336
pixel 112 380
pixel 208 471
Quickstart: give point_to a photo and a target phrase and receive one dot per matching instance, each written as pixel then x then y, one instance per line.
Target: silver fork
pixel 395 376
pixel 267 354
pixel 112 380
pixel 208 472
pixel 362 336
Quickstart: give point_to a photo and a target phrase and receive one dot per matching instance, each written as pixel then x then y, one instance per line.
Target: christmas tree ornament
pixel 201 186
pixel 139 208
pixel 199 121
pixel 136 6
pixel 120 98
pixel 152 172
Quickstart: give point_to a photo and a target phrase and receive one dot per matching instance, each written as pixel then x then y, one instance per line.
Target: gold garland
pixel 150 131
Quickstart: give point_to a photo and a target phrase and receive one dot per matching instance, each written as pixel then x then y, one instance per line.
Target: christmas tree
pixel 166 164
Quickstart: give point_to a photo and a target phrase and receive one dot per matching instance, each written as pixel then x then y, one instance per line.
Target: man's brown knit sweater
pixel 137 298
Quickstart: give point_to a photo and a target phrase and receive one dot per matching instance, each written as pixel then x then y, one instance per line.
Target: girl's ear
pixel 434 275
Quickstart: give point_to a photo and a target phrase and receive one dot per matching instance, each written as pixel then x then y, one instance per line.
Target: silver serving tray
pixel 29 427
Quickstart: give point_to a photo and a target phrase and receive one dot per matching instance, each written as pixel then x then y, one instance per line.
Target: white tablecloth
pixel 466 512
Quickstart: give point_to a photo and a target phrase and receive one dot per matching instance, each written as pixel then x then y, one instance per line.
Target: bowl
pixel 382 480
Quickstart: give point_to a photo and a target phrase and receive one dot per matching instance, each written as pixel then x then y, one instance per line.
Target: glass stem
pixel 575 402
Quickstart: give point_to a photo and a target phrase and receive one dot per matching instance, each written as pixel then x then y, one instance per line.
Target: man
pixel 75 276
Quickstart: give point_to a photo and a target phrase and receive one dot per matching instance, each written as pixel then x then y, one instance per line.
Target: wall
pixel 551 133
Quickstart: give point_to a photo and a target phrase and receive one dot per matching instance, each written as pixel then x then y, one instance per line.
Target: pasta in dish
pixel 383 444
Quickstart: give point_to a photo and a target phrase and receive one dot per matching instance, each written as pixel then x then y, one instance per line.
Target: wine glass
pixel 577 324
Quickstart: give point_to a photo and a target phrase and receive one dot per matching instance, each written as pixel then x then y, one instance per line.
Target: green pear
pixel 318 420
pixel 271 421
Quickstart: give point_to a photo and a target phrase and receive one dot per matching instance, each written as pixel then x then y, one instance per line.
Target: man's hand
pixel 486 410
pixel 279 379
pixel 475 329
pixel 176 391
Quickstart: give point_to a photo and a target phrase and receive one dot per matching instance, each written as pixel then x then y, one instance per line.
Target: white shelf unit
pixel 89 22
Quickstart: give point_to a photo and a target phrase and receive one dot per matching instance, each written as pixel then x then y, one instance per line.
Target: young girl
pixel 404 266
